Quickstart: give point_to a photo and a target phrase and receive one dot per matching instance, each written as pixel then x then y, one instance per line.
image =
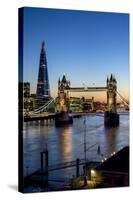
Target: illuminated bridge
pixel 86 89
pixel 62 101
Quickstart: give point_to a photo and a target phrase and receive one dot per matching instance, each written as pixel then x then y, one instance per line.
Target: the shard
pixel 43 89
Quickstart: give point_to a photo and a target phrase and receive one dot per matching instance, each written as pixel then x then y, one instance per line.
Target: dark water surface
pixel 67 143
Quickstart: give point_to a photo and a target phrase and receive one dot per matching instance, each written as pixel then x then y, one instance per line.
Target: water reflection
pixel 110 139
pixel 65 141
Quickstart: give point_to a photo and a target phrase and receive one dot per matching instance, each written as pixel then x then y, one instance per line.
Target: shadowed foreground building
pixel 114 172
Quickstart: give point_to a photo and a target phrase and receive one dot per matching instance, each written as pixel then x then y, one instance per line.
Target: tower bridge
pixel 43 100
pixel 64 89
pixel 111 116
pixel 62 102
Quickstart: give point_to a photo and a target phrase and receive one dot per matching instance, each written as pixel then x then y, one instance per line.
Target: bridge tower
pixel 111 117
pixel 62 116
pixel 111 94
pixel 63 97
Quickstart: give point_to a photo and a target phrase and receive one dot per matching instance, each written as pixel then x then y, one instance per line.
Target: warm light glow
pixel 98 96
pixel 92 171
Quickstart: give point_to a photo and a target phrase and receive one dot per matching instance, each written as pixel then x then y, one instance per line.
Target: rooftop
pixel 117 163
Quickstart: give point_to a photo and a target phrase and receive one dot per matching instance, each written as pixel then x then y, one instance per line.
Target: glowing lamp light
pixel 92 171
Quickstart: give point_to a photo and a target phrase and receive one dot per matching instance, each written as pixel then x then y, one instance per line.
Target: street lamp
pixel 92 174
pixel 92 171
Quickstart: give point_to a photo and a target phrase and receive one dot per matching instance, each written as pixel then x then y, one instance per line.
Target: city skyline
pixel 68 143
pixel 80 44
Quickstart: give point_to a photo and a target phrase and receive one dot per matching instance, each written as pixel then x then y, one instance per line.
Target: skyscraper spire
pixel 43 82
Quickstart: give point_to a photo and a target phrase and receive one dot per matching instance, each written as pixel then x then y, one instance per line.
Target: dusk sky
pixel 86 46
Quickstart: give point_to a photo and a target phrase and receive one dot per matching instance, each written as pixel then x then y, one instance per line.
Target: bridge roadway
pixel 86 89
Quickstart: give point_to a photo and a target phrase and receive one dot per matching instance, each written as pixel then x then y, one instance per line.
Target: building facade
pixel 43 89
pixel 26 89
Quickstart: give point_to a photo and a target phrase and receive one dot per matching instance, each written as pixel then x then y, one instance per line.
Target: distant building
pixel 29 103
pixel 100 107
pixel 88 105
pixel 26 89
pixel 75 104
pixel 33 95
pixel 43 89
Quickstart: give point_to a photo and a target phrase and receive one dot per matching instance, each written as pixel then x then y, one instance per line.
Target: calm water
pixel 67 143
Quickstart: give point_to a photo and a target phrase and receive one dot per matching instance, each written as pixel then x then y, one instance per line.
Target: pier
pixel 48 117
pixel 41 179
pixel 95 170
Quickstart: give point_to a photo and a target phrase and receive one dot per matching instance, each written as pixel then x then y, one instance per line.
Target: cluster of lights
pixel 110 155
pixel 113 153
pixel 103 160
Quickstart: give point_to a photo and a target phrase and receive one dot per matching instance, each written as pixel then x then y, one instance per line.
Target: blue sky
pixel 86 46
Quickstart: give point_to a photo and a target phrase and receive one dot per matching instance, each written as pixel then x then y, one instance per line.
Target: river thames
pixel 67 143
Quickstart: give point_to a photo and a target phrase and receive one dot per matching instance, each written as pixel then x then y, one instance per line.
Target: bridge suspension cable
pixel 42 108
pixel 45 106
pixel 125 101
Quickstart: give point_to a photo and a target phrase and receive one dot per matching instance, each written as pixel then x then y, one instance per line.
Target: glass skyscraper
pixel 43 89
